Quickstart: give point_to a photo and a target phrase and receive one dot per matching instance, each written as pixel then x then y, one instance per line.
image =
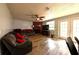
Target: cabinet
pixel 37 26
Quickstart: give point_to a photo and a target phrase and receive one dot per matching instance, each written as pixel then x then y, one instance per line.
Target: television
pixel 45 27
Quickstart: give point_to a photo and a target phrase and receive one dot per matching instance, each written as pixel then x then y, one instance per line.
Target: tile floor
pixel 43 45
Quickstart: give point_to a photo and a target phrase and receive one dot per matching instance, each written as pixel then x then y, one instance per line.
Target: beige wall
pixel 5 20
pixel 22 24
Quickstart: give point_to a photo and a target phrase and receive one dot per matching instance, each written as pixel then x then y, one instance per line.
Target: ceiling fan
pixel 36 16
pixel 39 17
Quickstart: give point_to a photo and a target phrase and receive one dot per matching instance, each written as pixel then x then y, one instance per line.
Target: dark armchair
pixel 77 40
pixel 71 46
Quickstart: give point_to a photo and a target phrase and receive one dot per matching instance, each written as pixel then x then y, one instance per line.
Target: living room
pixel 46 25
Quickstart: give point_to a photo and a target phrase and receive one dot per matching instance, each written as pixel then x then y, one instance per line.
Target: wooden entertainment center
pixel 38 27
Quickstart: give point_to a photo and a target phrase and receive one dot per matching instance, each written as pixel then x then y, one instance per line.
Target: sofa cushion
pixel 19 36
pixel 11 39
pixel 20 40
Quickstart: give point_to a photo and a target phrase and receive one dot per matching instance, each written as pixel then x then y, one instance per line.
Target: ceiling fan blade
pixel 42 17
pixel 36 16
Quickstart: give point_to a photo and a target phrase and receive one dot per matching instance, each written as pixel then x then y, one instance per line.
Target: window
pixel 63 29
pixel 76 28
pixel 51 25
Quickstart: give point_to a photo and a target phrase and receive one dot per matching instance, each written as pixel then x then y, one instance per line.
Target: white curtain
pixel 76 28
pixel 63 29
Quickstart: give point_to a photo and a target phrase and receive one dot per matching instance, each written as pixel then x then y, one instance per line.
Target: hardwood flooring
pixel 43 45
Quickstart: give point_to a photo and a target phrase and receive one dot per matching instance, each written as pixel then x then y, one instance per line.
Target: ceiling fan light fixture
pixel 37 18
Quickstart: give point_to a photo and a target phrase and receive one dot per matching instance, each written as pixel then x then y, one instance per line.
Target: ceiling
pixel 21 10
